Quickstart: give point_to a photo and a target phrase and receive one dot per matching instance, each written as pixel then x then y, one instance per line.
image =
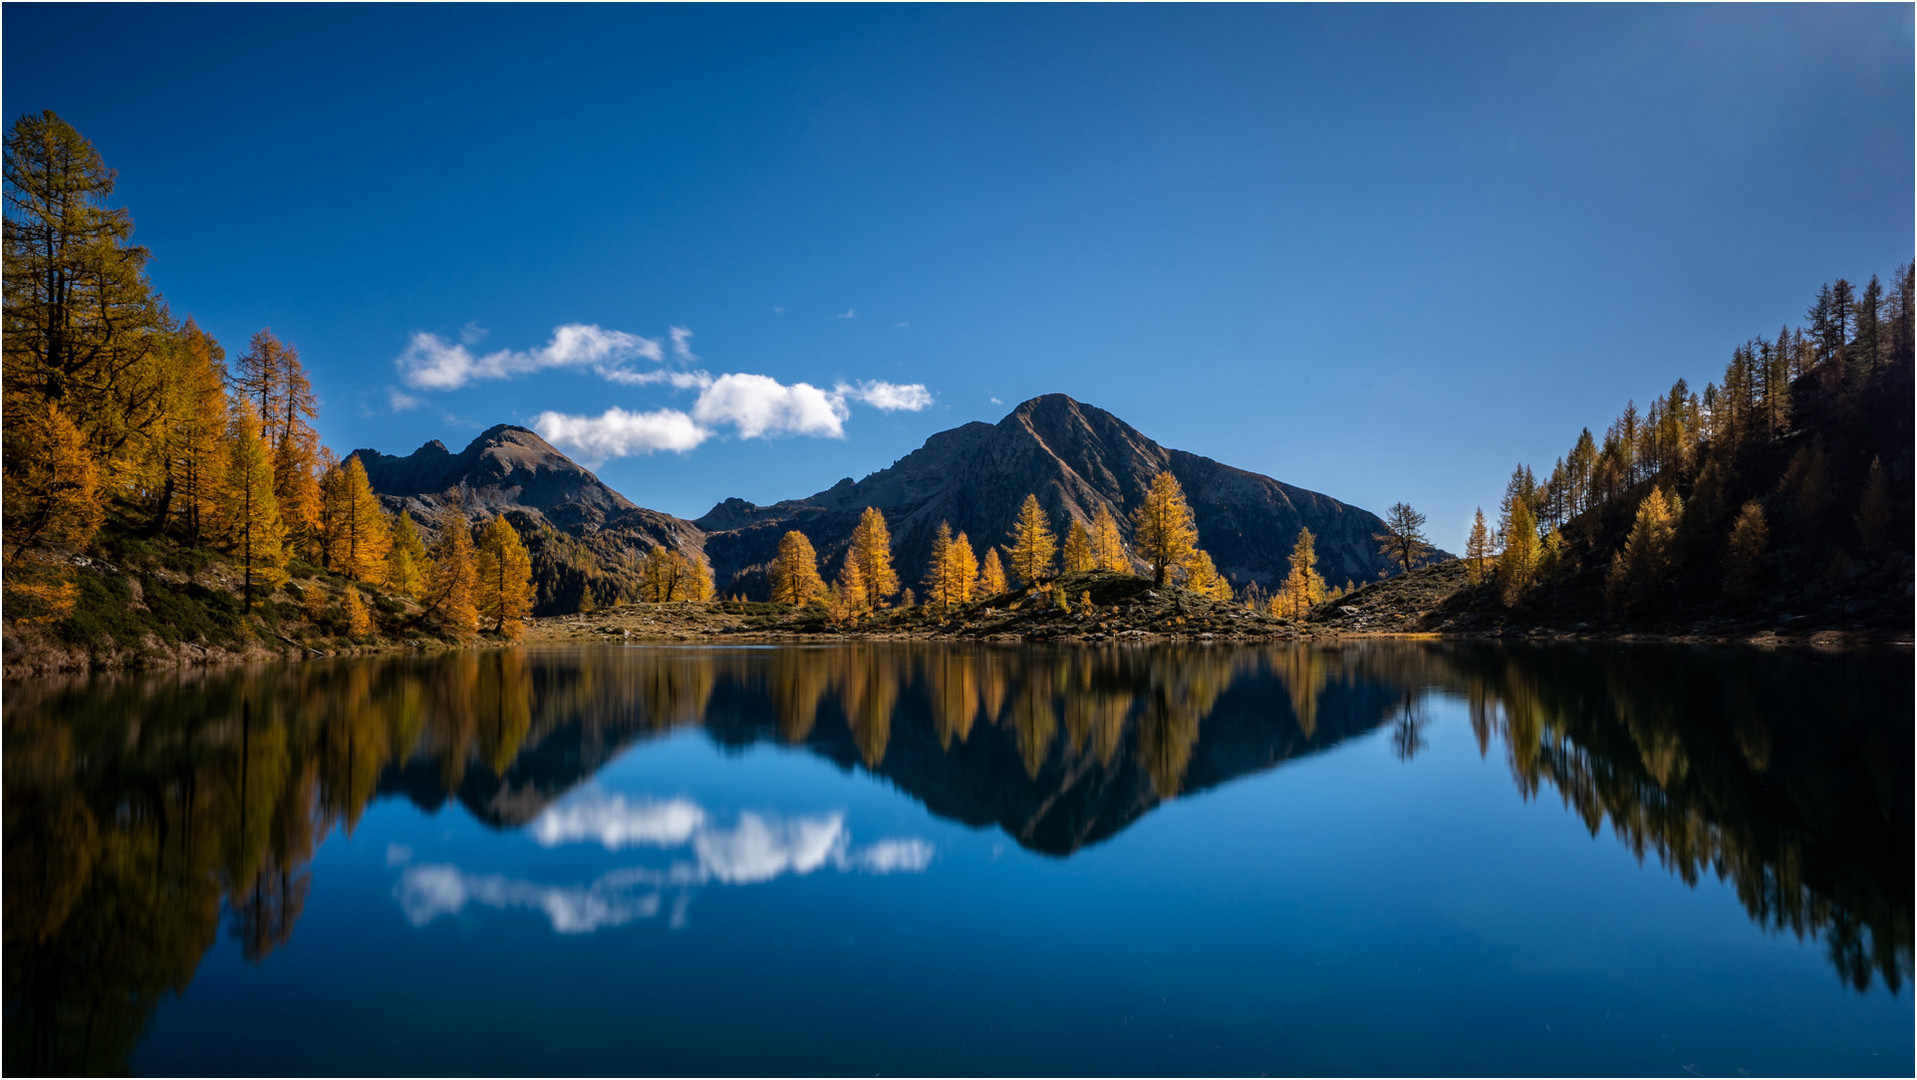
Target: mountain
pixel 581 533
pixel 1076 459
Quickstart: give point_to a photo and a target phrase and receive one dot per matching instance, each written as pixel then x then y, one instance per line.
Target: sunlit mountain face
pixel 193 847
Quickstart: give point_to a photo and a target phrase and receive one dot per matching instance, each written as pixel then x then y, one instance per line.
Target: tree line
pixel 115 408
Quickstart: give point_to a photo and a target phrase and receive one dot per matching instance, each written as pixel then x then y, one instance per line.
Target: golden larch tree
pixel 1078 556
pixel 296 484
pixel 1744 554
pixel 1477 549
pixel 850 599
pixel 452 578
pixel 795 572
pixel 1518 565
pixel 942 589
pixel 502 571
pixel 1033 544
pixel 1203 578
pixel 1304 587
pixel 52 506
pixel 358 623
pixel 1639 571
pixel 1108 547
pixel 406 561
pixel 991 575
pixel 964 568
pixel 197 455
pixel 356 537
pixel 1162 527
pixel 249 511
pixel 872 550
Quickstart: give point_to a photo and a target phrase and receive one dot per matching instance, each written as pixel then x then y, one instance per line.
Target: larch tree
pixel 297 486
pixel 358 623
pixel 502 577
pixel 52 506
pixel 964 567
pixel 991 575
pixel 1641 568
pixel 1518 564
pixel 1162 527
pixel 942 589
pixel 1304 587
pixel 872 550
pixel 795 572
pixel 196 450
pixel 452 579
pixel 1477 549
pixel 249 511
pixel 406 562
pixel 1033 544
pixel 356 538
pixel 1108 547
pixel 1403 540
pixel 850 598
pixel 1203 578
pixel 1078 556
pixel 1744 552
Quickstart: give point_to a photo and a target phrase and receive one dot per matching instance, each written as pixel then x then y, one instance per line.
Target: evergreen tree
pixel 1579 468
pixel 1744 554
pixel 1551 557
pixel 502 577
pixel 1477 550
pixel 1303 588
pixel 249 511
pixel 1163 528
pixel 1108 547
pixel 1033 544
pixel 453 574
pixel 406 562
pixel 795 572
pixel 872 549
pixel 1078 556
pixel 991 575
pixel 1403 539
pixel 356 539
pixel 51 507
pixel 358 623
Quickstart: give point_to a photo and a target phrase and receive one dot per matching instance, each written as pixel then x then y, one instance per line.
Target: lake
pixel 1369 857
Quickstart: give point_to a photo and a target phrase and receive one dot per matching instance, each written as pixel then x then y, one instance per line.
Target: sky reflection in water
pixel 1073 861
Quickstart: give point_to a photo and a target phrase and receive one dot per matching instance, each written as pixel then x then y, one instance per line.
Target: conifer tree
pixel 872 548
pixel 195 453
pixel 795 572
pixel 851 598
pixel 1203 578
pixel 1108 548
pixel 453 573
pixel 406 563
pixel 1477 549
pixel 1403 540
pixel 1033 544
pixel 1078 556
pixel 51 506
pixel 298 491
pixel 1163 528
pixel 1518 565
pixel 249 512
pixel 991 575
pixel 964 563
pixel 356 538
pixel 1873 510
pixel 1303 587
pixel 358 623
pixel 1579 469
pixel 1804 484
pixel 1551 557
pixel 502 577
pixel 1744 554
pixel 1640 569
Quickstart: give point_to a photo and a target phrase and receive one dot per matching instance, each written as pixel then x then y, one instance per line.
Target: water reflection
pixel 142 814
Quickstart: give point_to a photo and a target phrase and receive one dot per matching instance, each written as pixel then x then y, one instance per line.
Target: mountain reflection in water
pixel 141 813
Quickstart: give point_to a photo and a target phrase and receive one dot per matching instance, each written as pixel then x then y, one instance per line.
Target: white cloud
pixel 902 325
pixel 682 345
pixel 760 406
pixel 996 401
pixel 778 309
pixel 398 854
pixel 400 400
pixel 848 314
pixel 472 333
pixel 892 397
pixel 430 362
pixel 618 433
pixel 617 824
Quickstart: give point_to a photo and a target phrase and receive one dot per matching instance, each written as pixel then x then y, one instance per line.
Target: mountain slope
pixel 1076 459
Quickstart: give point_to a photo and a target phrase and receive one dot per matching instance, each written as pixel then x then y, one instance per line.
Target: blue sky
pixel 1385 253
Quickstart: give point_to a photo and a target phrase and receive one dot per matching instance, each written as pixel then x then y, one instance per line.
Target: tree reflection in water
pixel 141 812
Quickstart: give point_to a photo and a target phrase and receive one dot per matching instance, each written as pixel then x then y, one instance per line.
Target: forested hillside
pixel 163 500
pixel 1778 497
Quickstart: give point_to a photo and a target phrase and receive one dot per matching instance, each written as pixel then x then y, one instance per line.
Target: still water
pixel 1383 857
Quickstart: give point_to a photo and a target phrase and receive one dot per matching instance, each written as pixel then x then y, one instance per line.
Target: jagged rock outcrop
pixel 1076 459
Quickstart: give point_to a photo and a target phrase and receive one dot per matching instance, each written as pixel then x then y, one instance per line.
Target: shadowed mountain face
pixel 1077 459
